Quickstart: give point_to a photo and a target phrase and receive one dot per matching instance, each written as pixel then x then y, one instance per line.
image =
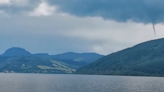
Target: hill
pixel 31 64
pixel 16 51
pixel 19 60
pixel 143 59
pixel 79 59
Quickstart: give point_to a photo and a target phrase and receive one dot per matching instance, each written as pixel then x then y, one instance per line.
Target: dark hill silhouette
pixel 143 59
pixel 16 51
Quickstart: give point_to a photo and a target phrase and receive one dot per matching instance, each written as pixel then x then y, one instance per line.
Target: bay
pixel 15 82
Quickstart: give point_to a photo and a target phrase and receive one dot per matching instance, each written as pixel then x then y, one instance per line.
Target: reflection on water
pixel 78 83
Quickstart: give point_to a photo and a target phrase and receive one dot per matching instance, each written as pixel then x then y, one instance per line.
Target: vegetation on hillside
pixel 143 59
pixel 19 60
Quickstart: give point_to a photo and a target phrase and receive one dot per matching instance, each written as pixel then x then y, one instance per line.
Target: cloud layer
pixel 17 7
pixel 57 26
pixel 144 11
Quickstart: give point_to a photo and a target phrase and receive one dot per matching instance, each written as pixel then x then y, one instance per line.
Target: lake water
pixel 78 83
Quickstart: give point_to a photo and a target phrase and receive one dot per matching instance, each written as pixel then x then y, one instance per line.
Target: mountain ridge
pixel 146 58
pixel 19 60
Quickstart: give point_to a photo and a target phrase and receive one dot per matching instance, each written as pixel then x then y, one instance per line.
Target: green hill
pixel 19 60
pixel 30 64
pixel 145 59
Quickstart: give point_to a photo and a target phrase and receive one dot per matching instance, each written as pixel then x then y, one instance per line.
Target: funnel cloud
pixel 154 30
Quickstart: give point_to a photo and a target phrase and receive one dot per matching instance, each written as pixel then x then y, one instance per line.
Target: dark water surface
pixel 78 83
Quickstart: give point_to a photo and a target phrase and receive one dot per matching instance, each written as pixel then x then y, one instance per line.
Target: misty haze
pixel 81 45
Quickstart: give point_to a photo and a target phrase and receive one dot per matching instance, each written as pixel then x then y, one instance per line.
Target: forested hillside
pixel 143 59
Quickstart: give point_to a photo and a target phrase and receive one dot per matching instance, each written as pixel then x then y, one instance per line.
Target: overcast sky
pixel 58 26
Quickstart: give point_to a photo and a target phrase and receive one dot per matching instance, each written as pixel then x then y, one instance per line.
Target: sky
pixel 59 26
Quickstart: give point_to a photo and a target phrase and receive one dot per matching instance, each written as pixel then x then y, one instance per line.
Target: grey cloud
pixel 143 11
pixel 16 7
